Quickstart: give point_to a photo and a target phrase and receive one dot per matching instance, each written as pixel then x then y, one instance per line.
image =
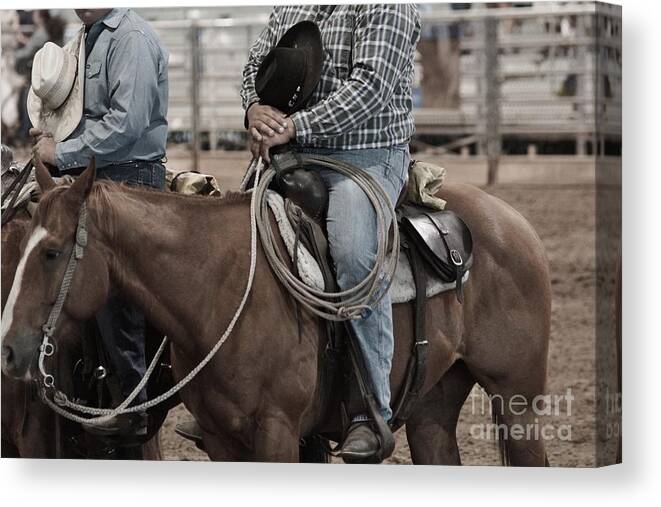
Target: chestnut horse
pixel 261 392
pixel 30 429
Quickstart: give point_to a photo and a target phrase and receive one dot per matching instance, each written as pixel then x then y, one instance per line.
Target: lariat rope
pixel 344 305
pixel 356 301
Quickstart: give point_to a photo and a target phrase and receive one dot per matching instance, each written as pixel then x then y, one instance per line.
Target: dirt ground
pixel 564 217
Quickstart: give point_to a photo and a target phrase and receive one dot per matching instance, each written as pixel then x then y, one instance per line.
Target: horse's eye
pixel 52 254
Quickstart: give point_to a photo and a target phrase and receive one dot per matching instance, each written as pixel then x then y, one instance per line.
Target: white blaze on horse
pixel 30 429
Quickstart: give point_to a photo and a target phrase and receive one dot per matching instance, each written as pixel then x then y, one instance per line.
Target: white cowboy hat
pixel 55 99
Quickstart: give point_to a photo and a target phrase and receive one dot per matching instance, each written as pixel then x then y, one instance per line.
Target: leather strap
pixel 453 254
pixel 421 344
pixel 417 366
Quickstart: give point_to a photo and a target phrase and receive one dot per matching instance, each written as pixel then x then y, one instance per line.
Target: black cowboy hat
pixel 291 71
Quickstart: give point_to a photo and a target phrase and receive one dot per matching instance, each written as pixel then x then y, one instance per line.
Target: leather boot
pixel 361 444
pixel 191 430
pixel 123 425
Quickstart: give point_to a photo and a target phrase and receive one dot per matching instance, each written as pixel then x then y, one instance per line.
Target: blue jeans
pixel 352 236
pixel 122 326
pixel 145 173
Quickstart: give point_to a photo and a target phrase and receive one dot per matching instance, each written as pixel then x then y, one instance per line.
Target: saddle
pixel 442 238
pixel 437 244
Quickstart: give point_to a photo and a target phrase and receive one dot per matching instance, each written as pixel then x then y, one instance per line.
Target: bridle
pixel 47 349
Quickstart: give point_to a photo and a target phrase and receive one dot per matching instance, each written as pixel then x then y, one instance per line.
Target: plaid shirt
pixel 363 99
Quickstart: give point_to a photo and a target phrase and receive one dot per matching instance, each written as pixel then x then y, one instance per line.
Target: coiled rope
pixel 353 302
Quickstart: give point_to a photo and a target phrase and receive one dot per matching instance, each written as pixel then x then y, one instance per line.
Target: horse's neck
pixel 173 256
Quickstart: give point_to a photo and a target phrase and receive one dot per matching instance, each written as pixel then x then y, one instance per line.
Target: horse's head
pixel 45 254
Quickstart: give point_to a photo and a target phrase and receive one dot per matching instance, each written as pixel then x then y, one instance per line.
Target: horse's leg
pixel 431 430
pixel 510 363
pixel 313 449
pixel 151 450
pixel 276 440
pixel 273 440
pixel 512 403
pixel 218 449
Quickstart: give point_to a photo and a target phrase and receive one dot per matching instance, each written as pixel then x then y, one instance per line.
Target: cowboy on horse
pixel 304 87
pixel 359 112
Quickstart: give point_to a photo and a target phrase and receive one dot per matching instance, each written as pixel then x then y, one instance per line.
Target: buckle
pixel 455 257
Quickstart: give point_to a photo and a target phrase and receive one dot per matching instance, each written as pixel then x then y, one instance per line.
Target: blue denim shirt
pixel 126 96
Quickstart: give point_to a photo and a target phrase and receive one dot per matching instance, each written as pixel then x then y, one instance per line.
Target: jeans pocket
pixel 396 169
pixel 145 175
pixel 157 175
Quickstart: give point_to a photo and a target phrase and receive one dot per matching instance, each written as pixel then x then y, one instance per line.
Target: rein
pixel 15 186
pixel 47 349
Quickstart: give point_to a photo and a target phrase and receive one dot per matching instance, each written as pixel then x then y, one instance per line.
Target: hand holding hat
pixel 260 145
pixel 55 99
pixel 44 149
pixel 291 71
pixel 265 120
pixel 285 81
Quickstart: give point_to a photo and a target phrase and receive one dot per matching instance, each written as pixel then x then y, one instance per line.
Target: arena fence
pixel 486 78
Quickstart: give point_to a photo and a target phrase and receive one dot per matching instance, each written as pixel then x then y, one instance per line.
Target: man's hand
pixel 261 147
pixel 38 133
pixel 44 150
pixel 265 121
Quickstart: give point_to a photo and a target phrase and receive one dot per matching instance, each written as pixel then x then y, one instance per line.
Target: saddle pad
pixel 402 288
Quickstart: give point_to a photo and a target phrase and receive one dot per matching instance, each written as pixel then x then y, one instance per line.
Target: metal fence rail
pixel 540 74
pixel 544 72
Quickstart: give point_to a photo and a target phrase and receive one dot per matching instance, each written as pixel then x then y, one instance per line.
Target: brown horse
pixel 30 429
pixel 260 393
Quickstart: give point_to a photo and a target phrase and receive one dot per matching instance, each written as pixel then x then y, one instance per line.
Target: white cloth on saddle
pixel 402 288
pixel 308 268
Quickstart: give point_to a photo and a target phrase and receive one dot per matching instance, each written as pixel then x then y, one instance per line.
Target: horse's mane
pixel 110 190
pixel 47 200
pixel 108 197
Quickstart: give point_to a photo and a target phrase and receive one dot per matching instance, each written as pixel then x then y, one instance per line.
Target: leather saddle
pixel 302 186
pixel 442 238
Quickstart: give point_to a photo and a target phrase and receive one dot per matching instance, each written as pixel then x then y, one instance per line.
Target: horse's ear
pixel 83 184
pixel 45 180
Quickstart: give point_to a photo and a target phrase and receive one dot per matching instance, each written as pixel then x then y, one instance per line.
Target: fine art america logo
pixel 534 421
